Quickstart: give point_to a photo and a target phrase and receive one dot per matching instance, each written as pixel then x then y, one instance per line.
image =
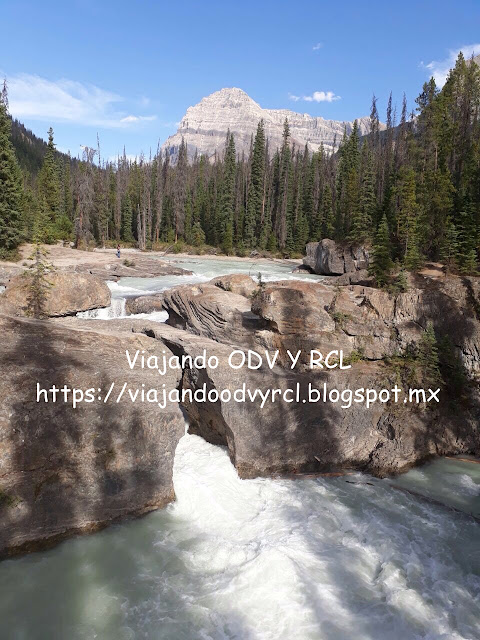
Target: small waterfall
pixel 115 310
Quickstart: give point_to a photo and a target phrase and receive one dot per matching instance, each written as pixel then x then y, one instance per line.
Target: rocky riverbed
pixel 66 470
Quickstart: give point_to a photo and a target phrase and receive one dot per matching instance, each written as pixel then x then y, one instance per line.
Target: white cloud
pixel 137 118
pixel 317 96
pixel 37 98
pixel 317 46
pixel 439 68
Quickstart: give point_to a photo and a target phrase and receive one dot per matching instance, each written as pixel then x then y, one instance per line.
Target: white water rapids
pixel 203 270
pixel 261 559
pixel 346 558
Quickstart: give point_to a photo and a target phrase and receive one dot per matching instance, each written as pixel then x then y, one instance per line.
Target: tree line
pixel 410 189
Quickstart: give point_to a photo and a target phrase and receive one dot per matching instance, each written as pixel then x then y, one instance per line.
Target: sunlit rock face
pixel 204 126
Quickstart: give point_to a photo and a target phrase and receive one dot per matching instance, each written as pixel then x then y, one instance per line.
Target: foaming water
pixel 115 310
pixel 269 270
pixel 260 559
pixel 205 269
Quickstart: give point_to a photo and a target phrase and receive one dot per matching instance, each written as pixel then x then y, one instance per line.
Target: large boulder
pixel 66 470
pixel 238 283
pixel 332 259
pixel 206 309
pixel 361 277
pixel 144 304
pixel 67 294
pixel 295 307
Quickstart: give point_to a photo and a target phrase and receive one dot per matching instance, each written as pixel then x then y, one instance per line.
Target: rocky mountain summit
pixel 204 126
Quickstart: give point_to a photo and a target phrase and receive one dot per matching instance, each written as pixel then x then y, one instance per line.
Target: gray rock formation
pixel 238 283
pixel 204 126
pixel 65 470
pixel 330 259
pixel 144 304
pixel 7 273
pixel 137 267
pixel 282 438
pixel 206 309
pixel 69 294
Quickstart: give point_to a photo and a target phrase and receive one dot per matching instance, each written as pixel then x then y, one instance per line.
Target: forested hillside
pixel 412 191
pixel 29 149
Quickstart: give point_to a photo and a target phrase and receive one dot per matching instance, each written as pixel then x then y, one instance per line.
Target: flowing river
pixel 346 558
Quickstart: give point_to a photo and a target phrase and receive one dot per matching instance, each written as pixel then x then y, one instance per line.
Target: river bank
pixel 61 256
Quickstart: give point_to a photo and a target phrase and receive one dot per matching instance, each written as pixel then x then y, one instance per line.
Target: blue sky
pixel 129 70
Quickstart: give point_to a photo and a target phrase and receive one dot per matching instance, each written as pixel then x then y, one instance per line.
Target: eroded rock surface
pixel 362 321
pixel 238 283
pixel 68 294
pixel 65 470
pixel 297 437
pixel 144 304
pixel 332 259
pixel 206 309
pixel 134 267
pixel 7 273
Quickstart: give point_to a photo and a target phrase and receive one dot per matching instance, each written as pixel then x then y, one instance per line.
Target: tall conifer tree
pixel 11 187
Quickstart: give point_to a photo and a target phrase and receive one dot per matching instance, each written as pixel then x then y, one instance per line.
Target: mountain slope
pixel 29 148
pixel 204 126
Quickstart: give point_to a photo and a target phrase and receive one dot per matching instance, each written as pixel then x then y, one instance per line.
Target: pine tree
pixel 198 235
pixel 364 214
pixel 38 284
pixel 428 357
pixel 188 220
pixel 49 180
pixel 227 209
pixel 413 258
pixel 101 205
pixel 272 243
pixel 42 227
pixel 407 218
pixel 466 257
pixel 285 202
pixel 347 205
pixel 85 200
pixel 11 188
pixel 436 201
pixel 180 190
pixel 449 246
pixel 250 221
pixel 381 264
pixel 255 200
pixel 127 235
pixel 328 229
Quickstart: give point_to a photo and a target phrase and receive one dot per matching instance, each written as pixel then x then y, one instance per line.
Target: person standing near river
pixel 118 251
